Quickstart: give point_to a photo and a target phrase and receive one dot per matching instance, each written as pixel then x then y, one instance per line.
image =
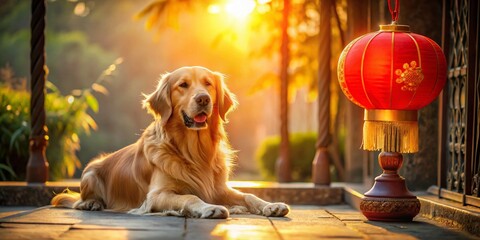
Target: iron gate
pixel 459 150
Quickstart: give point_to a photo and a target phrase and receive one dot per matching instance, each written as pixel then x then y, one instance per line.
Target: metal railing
pixel 459 150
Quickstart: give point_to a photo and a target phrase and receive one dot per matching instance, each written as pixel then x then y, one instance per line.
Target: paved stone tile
pixel 366 228
pixel 242 231
pixel 236 227
pixel 131 222
pixel 308 212
pixel 312 223
pixel 8 211
pixel 349 216
pixel 306 217
pixel 31 231
pixel 96 220
pixel 201 228
pixel 345 213
pixel 46 215
pixel 421 229
pixel 394 237
pixel 317 232
pixel 119 234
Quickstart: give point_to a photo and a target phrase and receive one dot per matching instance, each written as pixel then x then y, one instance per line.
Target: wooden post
pixel 37 167
pixel 321 162
pixel 358 13
pixel 283 168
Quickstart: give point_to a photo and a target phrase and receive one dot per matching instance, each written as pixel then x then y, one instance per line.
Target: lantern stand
pixel 389 198
pixel 391 74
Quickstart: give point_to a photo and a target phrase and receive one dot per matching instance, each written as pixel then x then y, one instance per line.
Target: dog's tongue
pixel 200 118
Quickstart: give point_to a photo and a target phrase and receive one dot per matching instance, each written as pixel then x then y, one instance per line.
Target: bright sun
pixel 235 14
pixel 239 9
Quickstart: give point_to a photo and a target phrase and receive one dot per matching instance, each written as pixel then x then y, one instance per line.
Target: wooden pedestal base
pixel 390 209
pixel 389 198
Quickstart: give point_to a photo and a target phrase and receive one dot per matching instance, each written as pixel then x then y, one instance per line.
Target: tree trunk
pixel 283 164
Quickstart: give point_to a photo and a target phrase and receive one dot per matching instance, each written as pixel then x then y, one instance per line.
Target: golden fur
pixel 180 164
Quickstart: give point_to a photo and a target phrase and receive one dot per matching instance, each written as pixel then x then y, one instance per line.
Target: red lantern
pixel 392 73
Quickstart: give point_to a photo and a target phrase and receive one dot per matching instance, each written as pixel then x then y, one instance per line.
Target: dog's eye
pixel 184 85
pixel 207 83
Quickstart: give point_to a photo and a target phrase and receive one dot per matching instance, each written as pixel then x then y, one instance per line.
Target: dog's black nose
pixel 202 99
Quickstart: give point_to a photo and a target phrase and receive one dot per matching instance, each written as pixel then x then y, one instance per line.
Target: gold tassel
pixel 390 136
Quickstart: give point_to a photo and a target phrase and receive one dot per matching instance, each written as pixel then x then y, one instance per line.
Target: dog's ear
pixel 226 100
pixel 159 103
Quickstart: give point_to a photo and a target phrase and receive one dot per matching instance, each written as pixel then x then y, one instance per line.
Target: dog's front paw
pixel 276 210
pixel 214 212
pixel 137 211
pixel 90 205
pixel 238 210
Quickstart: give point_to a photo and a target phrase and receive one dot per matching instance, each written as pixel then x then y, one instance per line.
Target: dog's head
pixel 192 95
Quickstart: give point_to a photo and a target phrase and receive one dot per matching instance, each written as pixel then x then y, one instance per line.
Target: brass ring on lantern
pixel 390 115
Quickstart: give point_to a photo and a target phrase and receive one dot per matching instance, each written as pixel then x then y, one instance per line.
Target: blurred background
pixel 104 54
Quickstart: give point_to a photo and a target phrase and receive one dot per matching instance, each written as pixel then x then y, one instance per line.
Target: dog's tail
pixel 65 199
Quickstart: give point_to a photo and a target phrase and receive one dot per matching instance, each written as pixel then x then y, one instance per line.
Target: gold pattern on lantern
pixel 411 76
pixel 341 71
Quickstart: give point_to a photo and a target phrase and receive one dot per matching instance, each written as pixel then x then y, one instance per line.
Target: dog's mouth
pixel 199 121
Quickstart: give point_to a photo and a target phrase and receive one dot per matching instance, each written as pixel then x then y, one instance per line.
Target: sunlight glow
pixel 249 184
pixel 240 8
pixel 214 9
pixel 241 231
pixel 233 17
pixel 81 9
pixel 70 99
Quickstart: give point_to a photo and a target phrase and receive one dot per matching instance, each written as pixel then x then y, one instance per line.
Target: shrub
pixel 14 131
pixel 66 118
pixel 302 152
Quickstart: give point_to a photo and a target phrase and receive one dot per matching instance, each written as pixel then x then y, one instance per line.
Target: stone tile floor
pixel 303 222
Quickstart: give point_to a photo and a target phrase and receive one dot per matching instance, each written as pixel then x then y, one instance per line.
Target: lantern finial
pixel 394 12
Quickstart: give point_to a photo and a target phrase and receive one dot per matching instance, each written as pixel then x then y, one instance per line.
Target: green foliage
pixel 14 131
pixel 63 120
pixel 15 50
pixel 66 118
pixel 77 49
pixel 72 52
pixel 302 152
pixel 72 57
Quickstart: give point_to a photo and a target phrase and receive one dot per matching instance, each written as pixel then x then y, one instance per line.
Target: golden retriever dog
pixel 180 165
